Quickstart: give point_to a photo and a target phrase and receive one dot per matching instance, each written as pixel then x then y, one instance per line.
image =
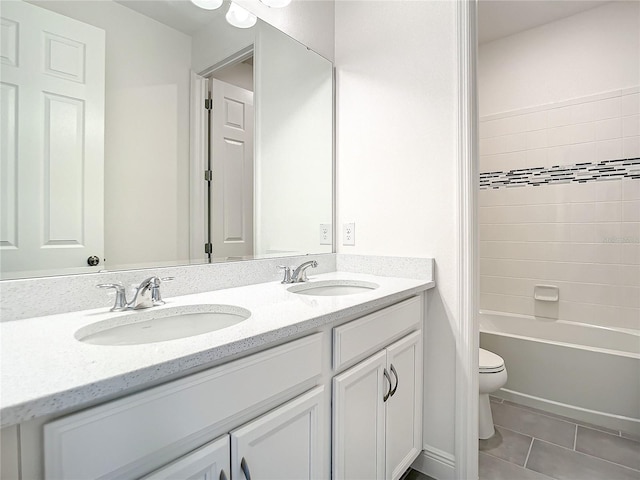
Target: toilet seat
pixel 489 362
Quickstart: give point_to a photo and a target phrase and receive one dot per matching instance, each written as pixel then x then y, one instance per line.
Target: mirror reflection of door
pixel 52 155
pixel 231 205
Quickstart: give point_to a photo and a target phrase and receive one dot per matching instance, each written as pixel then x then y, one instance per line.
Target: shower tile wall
pixel 560 205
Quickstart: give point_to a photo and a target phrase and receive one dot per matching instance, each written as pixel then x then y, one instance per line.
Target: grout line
pixel 591 456
pixel 567 420
pixel 502 460
pixel 528 453
pixel 540 412
pixel 575 438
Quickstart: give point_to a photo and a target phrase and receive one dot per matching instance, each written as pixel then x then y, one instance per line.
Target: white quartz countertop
pixel 45 369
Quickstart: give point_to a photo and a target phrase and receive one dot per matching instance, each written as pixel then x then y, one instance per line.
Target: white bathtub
pixel 585 372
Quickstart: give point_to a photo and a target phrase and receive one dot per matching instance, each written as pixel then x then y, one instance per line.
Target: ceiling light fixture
pixel 276 3
pixel 207 4
pixel 240 17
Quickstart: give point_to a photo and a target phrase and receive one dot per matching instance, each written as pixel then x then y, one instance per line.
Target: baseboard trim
pixel 436 463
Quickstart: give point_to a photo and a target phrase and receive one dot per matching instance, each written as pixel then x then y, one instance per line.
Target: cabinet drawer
pixel 146 429
pixel 358 339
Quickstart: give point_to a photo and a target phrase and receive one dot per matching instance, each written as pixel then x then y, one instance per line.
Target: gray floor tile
pixel 630 436
pixel 507 445
pixel 564 464
pixel 603 445
pixel 562 417
pixel 495 399
pixel 534 424
pixel 492 468
pixel 412 474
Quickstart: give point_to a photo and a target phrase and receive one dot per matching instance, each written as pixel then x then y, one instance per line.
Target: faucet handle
pixel 156 296
pixel 121 296
pixel 287 273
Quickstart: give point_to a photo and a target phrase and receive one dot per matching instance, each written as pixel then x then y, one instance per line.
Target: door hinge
pixel 208 248
pixel 208 104
pixel 208 175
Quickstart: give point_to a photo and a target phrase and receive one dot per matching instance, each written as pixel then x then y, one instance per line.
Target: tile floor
pixel 412 474
pixel 533 445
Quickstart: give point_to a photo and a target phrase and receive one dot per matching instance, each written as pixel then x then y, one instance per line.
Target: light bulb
pixel 276 3
pixel 239 17
pixel 208 4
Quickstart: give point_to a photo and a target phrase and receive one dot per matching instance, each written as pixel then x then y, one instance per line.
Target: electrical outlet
pixel 326 236
pixel 349 234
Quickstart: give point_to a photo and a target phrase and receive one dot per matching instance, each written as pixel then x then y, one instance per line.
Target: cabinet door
pixel 286 443
pixel 358 420
pixel 210 462
pixel 404 406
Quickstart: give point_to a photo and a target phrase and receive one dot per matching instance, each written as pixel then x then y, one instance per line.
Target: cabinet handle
pixel 386 395
pixel 223 476
pixel 393 370
pixel 245 469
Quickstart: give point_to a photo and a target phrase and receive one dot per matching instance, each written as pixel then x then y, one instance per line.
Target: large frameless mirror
pixel 153 133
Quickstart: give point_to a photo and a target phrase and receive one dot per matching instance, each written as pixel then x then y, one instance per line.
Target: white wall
pixel 396 75
pixel 310 22
pixel 294 127
pixel 572 92
pixel 146 133
pixel 240 75
pixel 588 53
pixel 218 41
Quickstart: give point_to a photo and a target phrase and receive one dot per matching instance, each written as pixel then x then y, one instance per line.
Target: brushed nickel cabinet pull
pixel 393 370
pixel 245 469
pixel 386 395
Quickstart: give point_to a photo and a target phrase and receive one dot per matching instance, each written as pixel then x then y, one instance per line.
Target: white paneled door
pixel 358 421
pixel 404 406
pixel 377 413
pixel 52 154
pixel 231 207
pixel 284 444
pixel 210 462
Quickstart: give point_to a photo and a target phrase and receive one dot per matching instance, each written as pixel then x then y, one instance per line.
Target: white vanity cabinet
pixel 210 462
pixel 377 404
pixel 282 444
pixel 135 435
pixel 285 444
pixel 344 402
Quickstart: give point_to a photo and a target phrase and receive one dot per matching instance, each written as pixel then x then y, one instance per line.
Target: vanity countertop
pixel 46 370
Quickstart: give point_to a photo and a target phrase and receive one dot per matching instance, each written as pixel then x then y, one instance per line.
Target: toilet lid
pixel 489 361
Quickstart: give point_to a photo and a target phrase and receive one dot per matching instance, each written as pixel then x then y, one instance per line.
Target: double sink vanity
pixel 315 379
pixel 225 373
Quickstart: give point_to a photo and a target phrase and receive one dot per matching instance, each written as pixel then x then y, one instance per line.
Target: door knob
pixel 93 260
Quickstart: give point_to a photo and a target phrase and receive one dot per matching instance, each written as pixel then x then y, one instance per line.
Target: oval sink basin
pixel 149 326
pixel 328 288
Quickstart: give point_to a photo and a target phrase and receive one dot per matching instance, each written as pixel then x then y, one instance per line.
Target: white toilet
pixel 493 375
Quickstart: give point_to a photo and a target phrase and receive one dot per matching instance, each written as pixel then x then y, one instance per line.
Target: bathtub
pixel 581 371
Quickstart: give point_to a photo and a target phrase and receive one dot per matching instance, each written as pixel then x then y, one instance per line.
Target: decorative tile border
pixel 578 173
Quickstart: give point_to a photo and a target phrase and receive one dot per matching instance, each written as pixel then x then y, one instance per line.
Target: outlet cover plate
pixel 349 234
pixel 326 234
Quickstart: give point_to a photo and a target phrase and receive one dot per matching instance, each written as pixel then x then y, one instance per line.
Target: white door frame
pixel 467 339
pixel 197 165
pixel 199 147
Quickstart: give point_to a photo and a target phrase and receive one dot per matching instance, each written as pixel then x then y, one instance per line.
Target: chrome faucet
pixel 142 297
pixel 146 295
pixel 299 274
pixel 156 296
